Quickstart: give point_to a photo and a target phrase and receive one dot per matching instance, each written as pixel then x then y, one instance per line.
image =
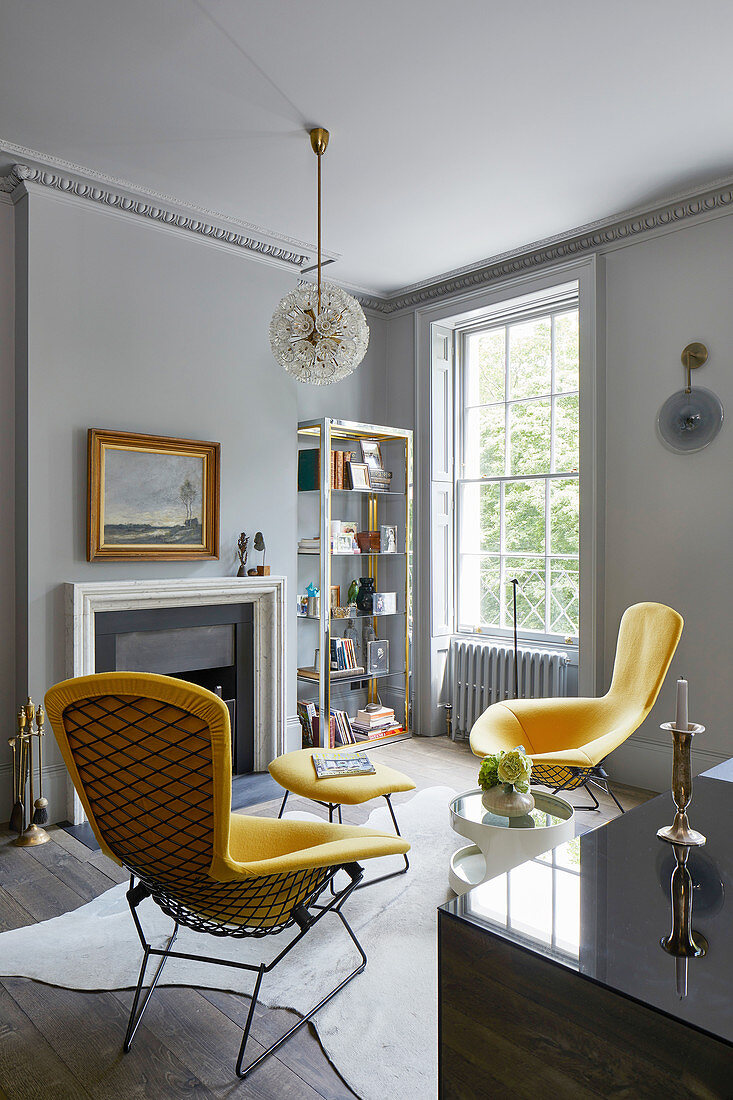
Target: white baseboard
pixel 642 762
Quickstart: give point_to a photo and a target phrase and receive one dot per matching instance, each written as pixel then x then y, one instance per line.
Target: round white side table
pixel 501 843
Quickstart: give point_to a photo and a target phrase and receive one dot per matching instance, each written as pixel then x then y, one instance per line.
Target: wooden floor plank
pixel 86 879
pixel 29 1067
pixel 12 913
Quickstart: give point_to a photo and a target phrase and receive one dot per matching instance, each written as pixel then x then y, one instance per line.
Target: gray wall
pixel 144 329
pixel 7 497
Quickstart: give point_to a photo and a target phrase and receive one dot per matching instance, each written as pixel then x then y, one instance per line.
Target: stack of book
pixel 310 546
pixel 309 469
pixel 343 655
pixel 339 476
pixel 344 735
pixel 339 728
pixel 379 478
pixel 371 724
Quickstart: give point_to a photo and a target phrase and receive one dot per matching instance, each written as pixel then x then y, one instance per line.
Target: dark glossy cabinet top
pixel 600 904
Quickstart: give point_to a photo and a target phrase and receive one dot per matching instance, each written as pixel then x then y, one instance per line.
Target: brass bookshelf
pixel 371 508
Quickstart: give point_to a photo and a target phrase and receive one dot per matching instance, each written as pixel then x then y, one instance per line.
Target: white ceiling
pixel 459 129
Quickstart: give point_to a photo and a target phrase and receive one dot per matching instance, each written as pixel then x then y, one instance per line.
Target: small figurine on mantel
pixel 259 544
pixel 242 549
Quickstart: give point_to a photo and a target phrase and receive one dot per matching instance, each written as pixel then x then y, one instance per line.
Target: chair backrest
pixel 150 757
pixel 647 639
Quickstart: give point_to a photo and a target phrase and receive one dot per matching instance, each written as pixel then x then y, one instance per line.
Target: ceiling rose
pixel 318 333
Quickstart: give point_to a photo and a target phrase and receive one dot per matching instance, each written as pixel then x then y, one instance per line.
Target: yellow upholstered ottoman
pixel 295 772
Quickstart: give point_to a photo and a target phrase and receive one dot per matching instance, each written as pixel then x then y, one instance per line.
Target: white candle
pixel 681 720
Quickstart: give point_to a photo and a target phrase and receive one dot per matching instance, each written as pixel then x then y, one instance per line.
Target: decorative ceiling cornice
pixel 600 236
pixel 595 237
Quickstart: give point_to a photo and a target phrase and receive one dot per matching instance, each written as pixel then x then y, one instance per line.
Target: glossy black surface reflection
pixel 600 903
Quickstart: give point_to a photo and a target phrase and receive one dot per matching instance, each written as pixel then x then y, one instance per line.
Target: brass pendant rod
pixel 319 231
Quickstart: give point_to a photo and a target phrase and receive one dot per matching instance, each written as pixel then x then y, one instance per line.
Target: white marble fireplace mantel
pixel 266 594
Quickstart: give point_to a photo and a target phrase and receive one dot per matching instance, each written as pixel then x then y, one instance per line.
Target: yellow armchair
pixel 568 739
pixel 150 757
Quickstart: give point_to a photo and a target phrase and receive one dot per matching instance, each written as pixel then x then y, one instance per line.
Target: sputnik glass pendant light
pixel 318 333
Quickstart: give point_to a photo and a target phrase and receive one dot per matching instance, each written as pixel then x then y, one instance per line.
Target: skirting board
pixel 641 762
pixel 54 788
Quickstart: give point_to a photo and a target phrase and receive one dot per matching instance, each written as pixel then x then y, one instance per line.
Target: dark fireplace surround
pixel 207 645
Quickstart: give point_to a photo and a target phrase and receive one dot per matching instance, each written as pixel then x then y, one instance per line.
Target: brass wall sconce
pixel 690 419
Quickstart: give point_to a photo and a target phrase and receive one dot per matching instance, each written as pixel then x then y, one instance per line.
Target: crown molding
pixel 710 200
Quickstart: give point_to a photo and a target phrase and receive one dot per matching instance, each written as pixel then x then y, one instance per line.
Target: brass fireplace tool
pixel 682 942
pixel 29 813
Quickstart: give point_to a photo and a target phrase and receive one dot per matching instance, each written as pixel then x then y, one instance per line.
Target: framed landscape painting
pixel 152 497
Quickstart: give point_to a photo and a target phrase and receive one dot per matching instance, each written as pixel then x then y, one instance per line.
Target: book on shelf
pixel 375 735
pixel 335 765
pixel 309 469
pixel 306 713
pixel 343 655
pixel 309 672
pixel 318 733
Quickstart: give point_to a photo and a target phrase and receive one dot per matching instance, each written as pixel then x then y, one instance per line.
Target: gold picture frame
pixel 151 497
pixel 335 596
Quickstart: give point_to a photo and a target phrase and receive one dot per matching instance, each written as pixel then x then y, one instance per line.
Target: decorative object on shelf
pixel 690 419
pixel 318 333
pixel 377 655
pixel 151 496
pixel 314 601
pixel 351 633
pixel 301 606
pixel 259 544
pixel 385 603
pixel 368 542
pixel 358 476
pixel 345 544
pixel 339 612
pixel 242 548
pixel 334 598
pixel 26 807
pixel 504 778
pixel 380 480
pixel 682 730
pixel 371 454
pixel 365 595
pixel 388 538
pixel 369 634
pixel 353 591
pixel 682 942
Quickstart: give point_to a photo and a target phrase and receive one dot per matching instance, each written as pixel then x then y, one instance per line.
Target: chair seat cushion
pixel 295 772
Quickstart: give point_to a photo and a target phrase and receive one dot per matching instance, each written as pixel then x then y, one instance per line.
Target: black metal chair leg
pixel 282 807
pixel 242 1073
pixel 134 1020
pixel 391 874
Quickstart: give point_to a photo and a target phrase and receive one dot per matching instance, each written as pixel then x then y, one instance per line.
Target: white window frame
pixel 496 319
pixel 431 649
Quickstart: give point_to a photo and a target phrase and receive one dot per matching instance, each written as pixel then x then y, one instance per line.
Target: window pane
pixel 564 516
pixel 530 572
pixel 529 435
pixel 484 442
pixel 524 516
pixel 490 591
pixel 564 596
pixel 566 352
pixel 485 367
pixel 566 433
pixel 479 518
pixel 530 358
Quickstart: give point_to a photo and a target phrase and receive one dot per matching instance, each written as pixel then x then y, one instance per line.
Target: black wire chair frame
pixel 332 807
pixel 304 916
pixel 564 777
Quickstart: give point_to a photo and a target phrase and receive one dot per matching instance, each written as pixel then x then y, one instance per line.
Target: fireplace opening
pixel 207 645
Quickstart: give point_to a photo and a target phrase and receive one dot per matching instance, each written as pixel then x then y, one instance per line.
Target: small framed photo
pixel 302 606
pixel 335 596
pixel 372 454
pixel 385 603
pixel 378 657
pixel 349 527
pixel 359 475
pixel 388 538
pixel 343 544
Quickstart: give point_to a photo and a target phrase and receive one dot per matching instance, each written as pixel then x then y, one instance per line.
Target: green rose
pixel 488 773
pixel 515 768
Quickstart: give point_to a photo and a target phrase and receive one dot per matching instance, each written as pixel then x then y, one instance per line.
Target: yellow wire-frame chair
pixel 569 739
pixel 150 757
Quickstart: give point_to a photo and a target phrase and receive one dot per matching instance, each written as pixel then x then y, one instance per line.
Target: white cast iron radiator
pixel 483 673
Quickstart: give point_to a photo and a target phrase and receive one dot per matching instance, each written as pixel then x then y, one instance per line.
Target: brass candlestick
pixel 679 832
pixel 682 942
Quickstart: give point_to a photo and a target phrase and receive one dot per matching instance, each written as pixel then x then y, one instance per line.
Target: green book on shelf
pixel 309 469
